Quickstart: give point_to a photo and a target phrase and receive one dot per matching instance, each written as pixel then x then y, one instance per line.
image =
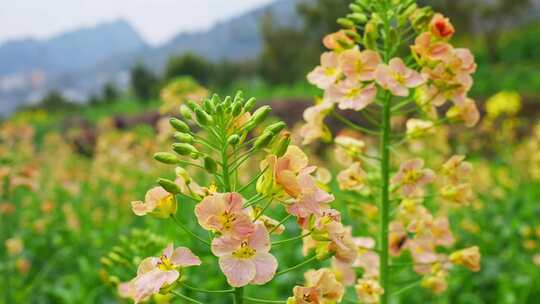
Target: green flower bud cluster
pixel 205 131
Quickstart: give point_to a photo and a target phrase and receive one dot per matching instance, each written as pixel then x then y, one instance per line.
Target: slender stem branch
pixel 284 271
pixel 186 297
pixel 280 223
pixel 263 210
pixel 252 181
pixel 264 301
pixel 352 125
pixel 207 291
pixel 186 229
pixel 291 239
pixel 406 288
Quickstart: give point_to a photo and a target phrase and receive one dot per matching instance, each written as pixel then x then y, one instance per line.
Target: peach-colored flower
pixel 349 94
pixel 311 199
pixel 436 282
pixel 246 261
pixel 417 128
pixel 268 222
pixel 412 175
pixel 423 252
pixel 330 41
pixel 352 178
pixel 397 77
pixel 460 194
pixel 321 287
pixel 441 27
pixel 344 273
pixel 469 257
pixel 333 237
pixel 223 212
pixel 327 73
pixel 157 202
pixel 359 65
pixel 348 149
pixel 369 291
pixel 397 238
pixel 441 233
pixel 155 273
pixel 466 112
pixel 367 259
pixel 315 127
pixel 456 169
pixel 427 50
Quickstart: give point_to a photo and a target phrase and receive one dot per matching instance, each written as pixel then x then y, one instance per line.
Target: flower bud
pixel 185 112
pixel 184 149
pixel 169 186
pixel 233 140
pixel 260 114
pixel 282 144
pixel 356 8
pixel 275 128
pixel 179 125
pixel 181 172
pixel 166 158
pixel 370 35
pixel 215 100
pixel 250 103
pixel 358 18
pixel 192 105
pixel 239 97
pixel 353 35
pixel 346 23
pixel 202 117
pixel 210 164
pixel 263 140
pixel 236 108
pixel 183 137
pixel 208 106
pixel 227 104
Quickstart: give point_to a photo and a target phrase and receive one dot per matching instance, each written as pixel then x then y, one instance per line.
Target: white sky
pixel 155 20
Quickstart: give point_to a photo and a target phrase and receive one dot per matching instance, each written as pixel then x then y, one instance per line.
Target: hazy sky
pixel 156 20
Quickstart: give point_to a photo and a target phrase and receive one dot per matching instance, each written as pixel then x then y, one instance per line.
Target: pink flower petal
pixel 184 257
pixel 147 265
pixel 238 272
pixel 265 267
pixel 259 239
pixel 224 245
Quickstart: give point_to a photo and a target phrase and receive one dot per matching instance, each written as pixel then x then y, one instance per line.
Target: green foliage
pixel 143 82
pixel 188 64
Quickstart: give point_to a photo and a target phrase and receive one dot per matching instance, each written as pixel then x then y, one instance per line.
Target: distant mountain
pixel 79 62
pixel 75 50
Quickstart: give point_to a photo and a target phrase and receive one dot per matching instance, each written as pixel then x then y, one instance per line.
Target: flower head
pixel 327 73
pixel 441 26
pixel 352 178
pixel 223 212
pixel 469 257
pixel 155 273
pixel 157 202
pixel 246 261
pixel 369 291
pixel 359 65
pixel 348 149
pixel 321 287
pixel 397 77
pixel 315 127
pixel 349 94
pixel 412 175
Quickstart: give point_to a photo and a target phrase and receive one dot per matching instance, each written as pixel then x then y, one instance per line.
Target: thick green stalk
pixel 384 210
pixel 239 295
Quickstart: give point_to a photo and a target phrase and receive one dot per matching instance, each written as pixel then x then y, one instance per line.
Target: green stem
pixel 186 229
pixel 239 295
pixel 263 300
pixel 385 198
pixel 291 239
pixel 284 271
pixel 186 297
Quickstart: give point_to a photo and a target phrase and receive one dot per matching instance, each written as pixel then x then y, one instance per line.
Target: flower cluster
pixel 371 71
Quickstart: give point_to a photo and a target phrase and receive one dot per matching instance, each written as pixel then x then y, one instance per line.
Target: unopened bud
pixel 169 185
pixel 184 149
pixel 236 108
pixel 239 97
pixel 210 164
pixel 260 114
pixel 346 23
pixel 208 106
pixel 358 18
pixel 166 158
pixel 185 112
pixel 275 128
pixel 263 140
pixel 282 144
pixel 356 8
pixel 233 140
pixel 179 125
pixel 183 137
pixel 227 104
pixel 250 103
pixel 181 172
pixel 202 117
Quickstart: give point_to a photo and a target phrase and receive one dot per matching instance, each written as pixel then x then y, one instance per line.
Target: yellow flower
pixel 469 257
